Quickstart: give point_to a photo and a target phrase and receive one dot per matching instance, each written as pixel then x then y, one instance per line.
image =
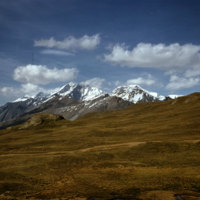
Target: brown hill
pixel 41 119
pixel 149 151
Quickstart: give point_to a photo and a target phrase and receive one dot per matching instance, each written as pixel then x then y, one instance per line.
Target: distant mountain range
pixel 74 100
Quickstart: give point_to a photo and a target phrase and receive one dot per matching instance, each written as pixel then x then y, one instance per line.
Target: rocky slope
pixel 20 106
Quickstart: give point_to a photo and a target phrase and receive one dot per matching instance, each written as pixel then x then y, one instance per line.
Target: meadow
pixel 149 151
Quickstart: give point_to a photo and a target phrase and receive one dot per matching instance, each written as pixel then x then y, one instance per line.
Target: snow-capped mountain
pixel 80 92
pixel 135 93
pixel 36 100
pixel 73 100
pixel 70 108
pixel 21 105
pixel 24 98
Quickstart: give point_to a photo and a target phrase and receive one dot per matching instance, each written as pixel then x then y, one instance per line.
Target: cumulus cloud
pixel 160 56
pixel 72 43
pixel 56 52
pixel 177 83
pixel 25 89
pixel 31 89
pixel 148 81
pixel 40 74
pixel 94 82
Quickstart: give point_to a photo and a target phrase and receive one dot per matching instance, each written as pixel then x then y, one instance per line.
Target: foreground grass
pixel 147 152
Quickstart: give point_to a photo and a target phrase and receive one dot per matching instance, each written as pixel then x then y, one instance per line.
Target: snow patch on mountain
pixel 91 93
pixel 174 96
pixel 24 98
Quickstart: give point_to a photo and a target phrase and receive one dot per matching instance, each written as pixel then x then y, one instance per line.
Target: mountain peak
pixel 24 98
pixel 73 100
pixel 134 93
pixel 79 91
pixel 134 86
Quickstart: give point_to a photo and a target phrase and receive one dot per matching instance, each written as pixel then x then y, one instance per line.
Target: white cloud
pixel 31 89
pixel 85 42
pixel 195 71
pixel 177 83
pixel 56 52
pixel 39 74
pixel 148 81
pixel 117 83
pixel 9 92
pixel 27 89
pixel 94 82
pixel 161 56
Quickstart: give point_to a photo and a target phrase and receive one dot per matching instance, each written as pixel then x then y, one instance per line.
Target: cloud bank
pixel 70 43
pixel 40 74
pixel 160 56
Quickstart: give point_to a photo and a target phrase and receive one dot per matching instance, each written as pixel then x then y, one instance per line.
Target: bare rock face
pixel 102 103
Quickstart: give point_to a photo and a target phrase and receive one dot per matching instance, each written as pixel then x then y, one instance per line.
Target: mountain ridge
pixel 74 100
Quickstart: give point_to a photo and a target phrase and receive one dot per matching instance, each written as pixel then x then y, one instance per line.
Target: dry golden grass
pixel 149 151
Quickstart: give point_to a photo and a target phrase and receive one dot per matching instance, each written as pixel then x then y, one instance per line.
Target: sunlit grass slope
pixel 149 151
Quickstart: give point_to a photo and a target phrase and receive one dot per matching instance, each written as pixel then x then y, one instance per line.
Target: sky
pixel 104 43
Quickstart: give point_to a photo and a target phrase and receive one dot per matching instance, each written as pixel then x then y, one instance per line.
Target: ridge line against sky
pixel 152 43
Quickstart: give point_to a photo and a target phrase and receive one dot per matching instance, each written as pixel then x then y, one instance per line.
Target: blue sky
pixel 106 43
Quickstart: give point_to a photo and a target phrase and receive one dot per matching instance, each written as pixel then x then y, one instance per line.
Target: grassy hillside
pixel 149 151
